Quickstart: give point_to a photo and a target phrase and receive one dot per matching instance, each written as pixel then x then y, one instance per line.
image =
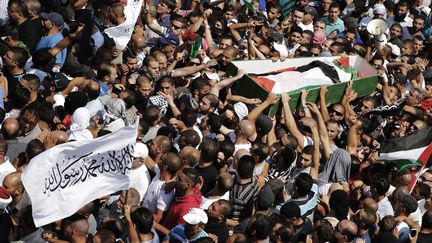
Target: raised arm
pixel 325 140
pixel 185 71
pixel 352 135
pixel 323 103
pixel 309 122
pixel 226 82
pixel 255 113
pixel 290 121
pixel 303 96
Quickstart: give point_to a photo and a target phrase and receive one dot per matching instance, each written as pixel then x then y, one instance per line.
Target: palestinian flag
pixel 410 151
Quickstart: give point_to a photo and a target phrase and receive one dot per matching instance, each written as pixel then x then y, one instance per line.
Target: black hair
pixel 143 220
pixel 209 150
pixel 246 167
pixel 303 183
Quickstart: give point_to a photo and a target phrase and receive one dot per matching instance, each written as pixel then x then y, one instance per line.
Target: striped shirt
pixel 307 204
pixel 242 197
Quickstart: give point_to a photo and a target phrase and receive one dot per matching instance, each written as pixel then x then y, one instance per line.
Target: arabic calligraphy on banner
pixel 64 178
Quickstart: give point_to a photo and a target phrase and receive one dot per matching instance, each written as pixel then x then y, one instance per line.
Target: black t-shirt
pixel 6 227
pixel 29 32
pixel 209 175
pixel 301 231
pixel 220 229
pixel 424 238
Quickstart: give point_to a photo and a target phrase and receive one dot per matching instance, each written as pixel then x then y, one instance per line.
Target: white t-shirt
pixel 6 168
pixel 385 208
pixel 156 197
pixel 139 179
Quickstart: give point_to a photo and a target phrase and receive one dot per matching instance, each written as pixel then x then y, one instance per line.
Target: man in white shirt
pixel 157 200
pixel 5 166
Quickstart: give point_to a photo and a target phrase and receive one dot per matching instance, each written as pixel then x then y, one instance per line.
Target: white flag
pixel 64 178
pixel 123 32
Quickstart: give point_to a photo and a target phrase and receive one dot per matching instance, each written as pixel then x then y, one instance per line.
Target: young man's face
pixel 334 13
pixel 298 17
pixel 418 45
pixel 273 13
pixel 407 49
pixel 319 26
pixel 418 25
pixel 295 38
pixel 395 32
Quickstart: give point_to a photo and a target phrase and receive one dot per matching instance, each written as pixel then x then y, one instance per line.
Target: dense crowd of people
pixel 209 165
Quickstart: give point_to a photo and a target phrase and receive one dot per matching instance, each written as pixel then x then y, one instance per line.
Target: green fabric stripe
pixel 195 47
pixel 403 163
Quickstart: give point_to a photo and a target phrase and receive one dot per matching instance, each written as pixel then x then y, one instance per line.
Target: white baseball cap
pixel 195 216
pixel 140 151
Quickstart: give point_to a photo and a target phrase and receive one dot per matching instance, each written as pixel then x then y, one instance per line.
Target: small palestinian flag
pixel 410 151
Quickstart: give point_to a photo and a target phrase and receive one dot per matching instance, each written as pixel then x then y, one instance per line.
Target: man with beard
pixel 401 16
pixel 52 23
pixel 416 29
pixel 193 229
pixel 229 54
pixel 187 196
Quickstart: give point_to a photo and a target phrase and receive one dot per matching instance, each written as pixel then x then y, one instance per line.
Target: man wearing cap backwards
pixel 193 229
pixel 52 23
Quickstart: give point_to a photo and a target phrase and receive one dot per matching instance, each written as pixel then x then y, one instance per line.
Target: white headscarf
pixel 80 121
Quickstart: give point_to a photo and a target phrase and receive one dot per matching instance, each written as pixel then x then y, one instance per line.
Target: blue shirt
pixel 330 27
pixel 177 233
pixel 104 89
pixel 50 42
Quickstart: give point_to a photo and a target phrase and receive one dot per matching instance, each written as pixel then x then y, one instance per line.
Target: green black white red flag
pixel 413 150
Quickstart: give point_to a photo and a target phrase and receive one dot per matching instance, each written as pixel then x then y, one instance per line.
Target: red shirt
pixel 180 206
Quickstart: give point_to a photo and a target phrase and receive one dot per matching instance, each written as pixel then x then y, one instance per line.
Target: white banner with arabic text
pixel 64 178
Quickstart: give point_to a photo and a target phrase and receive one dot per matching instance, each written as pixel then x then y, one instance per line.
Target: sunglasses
pixel 177 27
pixel 337 113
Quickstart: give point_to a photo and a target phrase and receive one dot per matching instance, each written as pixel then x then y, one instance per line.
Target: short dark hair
pixel 215 122
pixel 227 147
pixel 106 236
pixel 151 114
pixel 209 150
pixel 20 55
pixel 246 167
pixel 303 183
pixel 198 84
pixel 20 97
pixel 189 117
pixel 381 184
pixel 143 220
pixel 20 7
pixel 34 147
pixel 427 220
pixel 260 226
pixel 192 174
pixel 191 137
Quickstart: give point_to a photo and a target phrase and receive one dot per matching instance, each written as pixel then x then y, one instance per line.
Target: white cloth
pixel 156 197
pixel 6 168
pixel 385 208
pixel 80 121
pixel 65 177
pixel 206 202
pixel 293 80
pixel 140 179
